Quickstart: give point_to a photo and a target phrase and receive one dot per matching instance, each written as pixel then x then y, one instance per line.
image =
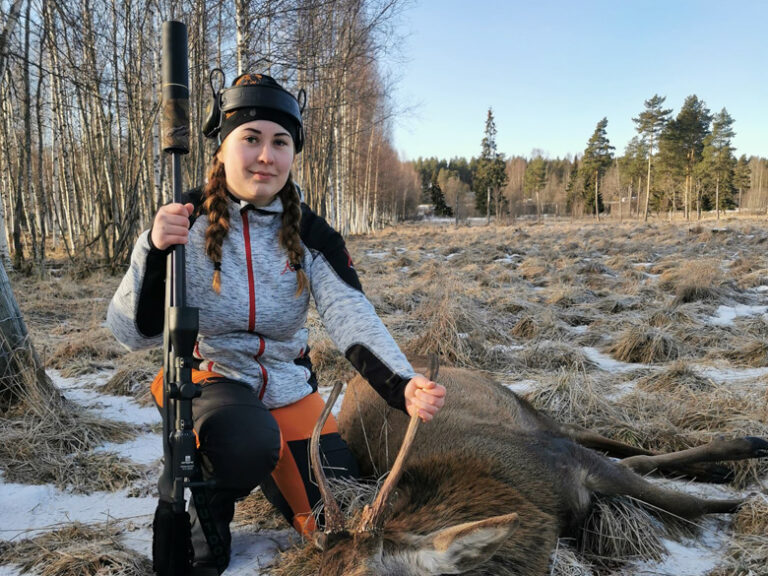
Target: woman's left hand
pixel 423 397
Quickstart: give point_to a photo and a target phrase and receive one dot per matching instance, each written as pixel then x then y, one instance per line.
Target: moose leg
pixel 687 461
pixel 613 479
pixel 595 441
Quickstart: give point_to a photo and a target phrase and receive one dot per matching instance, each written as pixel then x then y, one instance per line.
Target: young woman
pixel 254 255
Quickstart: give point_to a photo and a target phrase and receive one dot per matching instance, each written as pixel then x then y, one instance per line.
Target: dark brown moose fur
pixel 488 453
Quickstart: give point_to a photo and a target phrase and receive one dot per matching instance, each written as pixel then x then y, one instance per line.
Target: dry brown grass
pixel 546 356
pixel 456 327
pixel 619 528
pixel 76 550
pixel 751 353
pixel 256 511
pixel 752 517
pixel 44 438
pixel 329 364
pixel 644 345
pixel 678 376
pixel 576 398
pixel 691 281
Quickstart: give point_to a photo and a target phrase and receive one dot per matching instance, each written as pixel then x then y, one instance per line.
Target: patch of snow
pixel 31 509
pixel 691 557
pixel 454 255
pixel 730 375
pixel 581 329
pixel 725 315
pixel 523 386
pixel 377 255
pixel 761 288
pixel 605 362
pixel 144 449
pixel 82 390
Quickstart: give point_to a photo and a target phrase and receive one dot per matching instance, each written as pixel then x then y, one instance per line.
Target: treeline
pixel 680 165
pixel 81 165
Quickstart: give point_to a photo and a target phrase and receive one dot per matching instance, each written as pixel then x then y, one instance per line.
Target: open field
pixel 653 334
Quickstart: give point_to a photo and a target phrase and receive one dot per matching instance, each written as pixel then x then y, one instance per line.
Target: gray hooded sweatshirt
pixel 254 329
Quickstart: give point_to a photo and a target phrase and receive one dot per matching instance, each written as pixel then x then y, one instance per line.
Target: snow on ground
pixel 689 557
pixel 28 510
pixel 725 315
pixel 605 362
pixel 83 391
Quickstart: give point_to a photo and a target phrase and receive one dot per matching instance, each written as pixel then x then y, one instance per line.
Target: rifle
pixel 171 542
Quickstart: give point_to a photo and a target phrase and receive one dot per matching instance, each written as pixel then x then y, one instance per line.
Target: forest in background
pixel 82 171
pixel 680 165
pixel 81 167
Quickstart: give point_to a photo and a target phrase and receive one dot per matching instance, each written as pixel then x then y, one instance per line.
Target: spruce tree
pixel 490 175
pixel 438 200
pixel 718 162
pixel 598 157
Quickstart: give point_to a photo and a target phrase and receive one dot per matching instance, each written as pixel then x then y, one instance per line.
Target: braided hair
pixel 216 205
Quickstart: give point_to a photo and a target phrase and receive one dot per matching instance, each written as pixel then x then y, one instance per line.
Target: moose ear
pixel 460 548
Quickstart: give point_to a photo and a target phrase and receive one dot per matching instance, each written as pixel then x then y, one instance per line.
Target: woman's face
pixel 257 158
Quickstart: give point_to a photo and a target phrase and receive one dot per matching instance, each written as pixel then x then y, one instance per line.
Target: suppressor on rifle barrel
pixel 175 120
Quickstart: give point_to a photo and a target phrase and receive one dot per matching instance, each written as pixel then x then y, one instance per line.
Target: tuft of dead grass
pixel 693 281
pixel 76 550
pixel 90 353
pixel 753 354
pixel 644 345
pixel 456 327
pixel 619 528
pixel 752 517
pixel 257 512
pixel 546 356
pixel 566 562
pixel 679 376
pixel 574 398
pixel 329 364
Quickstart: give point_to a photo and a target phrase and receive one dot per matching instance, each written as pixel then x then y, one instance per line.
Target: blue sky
pixel 552 69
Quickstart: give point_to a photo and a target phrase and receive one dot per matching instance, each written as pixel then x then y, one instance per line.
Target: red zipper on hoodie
pixel 252 301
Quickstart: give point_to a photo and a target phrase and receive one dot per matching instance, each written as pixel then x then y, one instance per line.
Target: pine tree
pixel 598 157
pixel 650 123
pixel 490 175
pixel 682 143
pixel 718 162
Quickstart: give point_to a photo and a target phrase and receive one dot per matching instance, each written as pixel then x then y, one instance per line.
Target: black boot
pixel 211 555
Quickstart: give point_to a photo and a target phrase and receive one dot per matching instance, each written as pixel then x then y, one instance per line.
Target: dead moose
pixel 490 484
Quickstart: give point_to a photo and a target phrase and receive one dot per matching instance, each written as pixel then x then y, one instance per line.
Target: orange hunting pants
pixel 242 445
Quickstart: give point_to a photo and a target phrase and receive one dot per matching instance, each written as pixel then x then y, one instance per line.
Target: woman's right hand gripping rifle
pixel 171 225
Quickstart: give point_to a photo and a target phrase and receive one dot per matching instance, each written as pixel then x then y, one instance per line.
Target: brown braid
pixel 216 205
pixel 289 231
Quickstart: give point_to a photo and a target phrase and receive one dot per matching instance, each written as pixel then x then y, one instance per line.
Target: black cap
pixel 260 97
